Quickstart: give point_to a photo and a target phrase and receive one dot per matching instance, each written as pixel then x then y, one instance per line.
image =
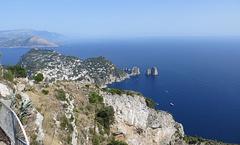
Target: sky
pixel 124 18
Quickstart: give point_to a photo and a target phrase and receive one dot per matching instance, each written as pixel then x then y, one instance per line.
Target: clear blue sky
pixel 123 18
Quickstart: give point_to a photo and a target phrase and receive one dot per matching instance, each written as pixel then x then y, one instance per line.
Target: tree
pixel 18 71
pixel 39 77
pixel 8 75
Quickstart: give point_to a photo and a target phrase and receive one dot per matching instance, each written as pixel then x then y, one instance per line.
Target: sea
pixel 199 75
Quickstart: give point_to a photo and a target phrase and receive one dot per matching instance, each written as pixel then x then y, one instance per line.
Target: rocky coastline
pixel 70 107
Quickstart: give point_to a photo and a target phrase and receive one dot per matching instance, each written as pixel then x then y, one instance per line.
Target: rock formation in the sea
pixel 154 71
pixel 55 66
pixel 148 72
pixel 135 71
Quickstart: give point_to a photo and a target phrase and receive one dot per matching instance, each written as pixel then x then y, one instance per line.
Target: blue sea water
pixel 200 76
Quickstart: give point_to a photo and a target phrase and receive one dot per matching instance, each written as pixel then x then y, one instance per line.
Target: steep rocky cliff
pixel 141 125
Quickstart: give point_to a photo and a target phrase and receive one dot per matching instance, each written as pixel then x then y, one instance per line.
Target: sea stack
pixel 154 71
pixel 148 72
pixel 135 71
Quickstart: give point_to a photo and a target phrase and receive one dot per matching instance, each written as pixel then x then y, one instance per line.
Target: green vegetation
pixel 105 117
pixel 45 92
pixel 115 142
pixel 95 98
pixel 18 71
pixel 150 103
pixel 8 75
pixel 60 95
pixel 23 112
pixel 33 140
pixel 38 78
pixel 114 91
pixel 65 124
pixel 193 140
pixel 96 140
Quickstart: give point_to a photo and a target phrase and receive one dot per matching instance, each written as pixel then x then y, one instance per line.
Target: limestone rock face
pixel 4 90
pixel 141 125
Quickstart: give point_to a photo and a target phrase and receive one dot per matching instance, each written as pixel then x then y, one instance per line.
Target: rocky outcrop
pixel 135 71
pixel 141 125
pixel 154 71
pixel 148 72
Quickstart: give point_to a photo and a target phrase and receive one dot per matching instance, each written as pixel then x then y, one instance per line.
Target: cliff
pixel 141 125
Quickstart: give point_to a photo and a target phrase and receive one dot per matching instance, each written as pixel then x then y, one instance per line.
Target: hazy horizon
pixel 121 19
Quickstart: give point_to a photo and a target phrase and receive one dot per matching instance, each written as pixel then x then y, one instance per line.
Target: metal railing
pixel 12 126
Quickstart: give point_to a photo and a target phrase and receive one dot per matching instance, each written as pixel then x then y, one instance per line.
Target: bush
pixel 65 123
pixel 96 140
pixel 192 139
pixel 105 117
pixel 45 92
pixel 95 98
pixel 8 76
pixel 39 77
pixel 150 103
pixel 18 71
pixel 61 95
pixel 114 142
pixel 115 91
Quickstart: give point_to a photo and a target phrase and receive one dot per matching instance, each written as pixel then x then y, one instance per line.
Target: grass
pixel 60 95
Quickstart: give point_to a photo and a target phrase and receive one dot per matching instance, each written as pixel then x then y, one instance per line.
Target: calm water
pixel 201 77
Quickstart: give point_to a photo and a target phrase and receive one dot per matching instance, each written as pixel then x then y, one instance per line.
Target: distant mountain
pixel 30 38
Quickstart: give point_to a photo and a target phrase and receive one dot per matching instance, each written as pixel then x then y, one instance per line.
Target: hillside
pixel 29 38
pixel 55 66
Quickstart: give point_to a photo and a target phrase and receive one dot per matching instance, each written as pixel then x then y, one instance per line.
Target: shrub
pixel 192 139
pixel 95 98
pixel 115 91
pixel 96 140
pixel 150 103
pixel 39 77
pixel 18 71
pixel 65 123
pixel 8 76
pixel 115 142
pixel 105 117
pixel 61 95
pixel 45 92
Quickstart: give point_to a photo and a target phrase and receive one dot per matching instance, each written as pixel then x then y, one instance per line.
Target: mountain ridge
pixel 29 38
